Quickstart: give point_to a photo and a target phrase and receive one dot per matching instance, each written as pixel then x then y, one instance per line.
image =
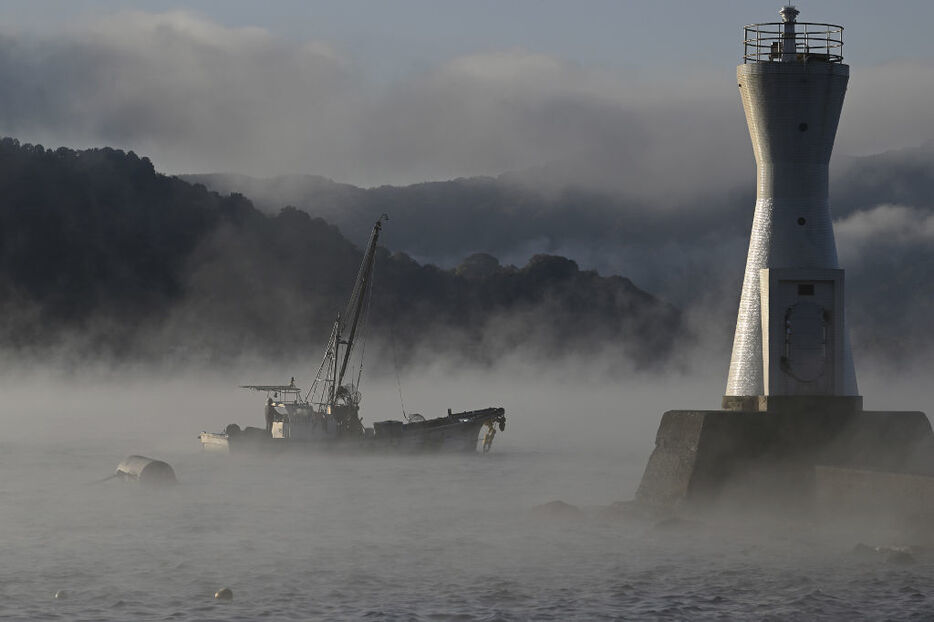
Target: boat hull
pixel 458 432
pixel 215 442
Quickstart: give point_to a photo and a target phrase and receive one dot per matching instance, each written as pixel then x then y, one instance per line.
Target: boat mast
pixel 336 352
pixel 358 298
pixel 326 374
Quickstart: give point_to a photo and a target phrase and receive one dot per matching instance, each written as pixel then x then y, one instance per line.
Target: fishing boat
pixel 327 416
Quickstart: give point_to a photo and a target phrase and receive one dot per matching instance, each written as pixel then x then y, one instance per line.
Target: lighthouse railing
pixel 813 42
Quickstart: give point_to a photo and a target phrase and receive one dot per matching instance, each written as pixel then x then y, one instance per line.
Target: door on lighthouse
pixel 802 322
pixel 806 333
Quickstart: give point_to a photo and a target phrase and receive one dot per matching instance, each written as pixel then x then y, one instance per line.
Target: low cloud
pixel 887 107
pixel 190 92
pixel 198 96
pixel 888 251
pixel 882 226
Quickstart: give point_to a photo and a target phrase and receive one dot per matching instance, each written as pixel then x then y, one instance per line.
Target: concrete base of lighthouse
pixel 766 456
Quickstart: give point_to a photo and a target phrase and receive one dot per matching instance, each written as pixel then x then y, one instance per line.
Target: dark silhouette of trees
pixel 101 253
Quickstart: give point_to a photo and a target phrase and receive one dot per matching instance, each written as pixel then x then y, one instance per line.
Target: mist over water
pixel 608 165
pixel 399 537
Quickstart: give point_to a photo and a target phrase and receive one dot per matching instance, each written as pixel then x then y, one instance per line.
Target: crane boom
pixel 357 300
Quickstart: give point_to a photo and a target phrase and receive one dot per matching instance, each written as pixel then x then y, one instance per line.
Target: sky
pixel 612 95
pixel 404 35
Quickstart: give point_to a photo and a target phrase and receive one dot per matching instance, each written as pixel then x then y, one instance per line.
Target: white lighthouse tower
pixel 791 406
pixel 791 336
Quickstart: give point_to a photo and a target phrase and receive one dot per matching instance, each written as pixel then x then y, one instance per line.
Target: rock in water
pixel 224 593
pixel 557 509
pixel 60 595
pixel 676 522
pixel 146 471
pixel 900 558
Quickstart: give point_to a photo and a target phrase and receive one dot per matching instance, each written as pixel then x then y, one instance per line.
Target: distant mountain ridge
pixel 691 253
pixel 505 216
pixel 500 216
pixel 102 256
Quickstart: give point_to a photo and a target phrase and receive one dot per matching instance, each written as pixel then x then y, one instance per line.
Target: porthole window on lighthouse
pixel 802 221
pixel 802 127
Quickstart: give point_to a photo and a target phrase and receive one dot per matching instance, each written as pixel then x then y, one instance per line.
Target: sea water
pixel 408 537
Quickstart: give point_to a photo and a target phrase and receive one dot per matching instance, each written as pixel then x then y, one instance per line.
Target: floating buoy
pixel 224 593
pixel 60 595
pixel 146 471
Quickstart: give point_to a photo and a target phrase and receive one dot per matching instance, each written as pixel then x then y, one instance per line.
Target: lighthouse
pixel 792 426
pixel 791 336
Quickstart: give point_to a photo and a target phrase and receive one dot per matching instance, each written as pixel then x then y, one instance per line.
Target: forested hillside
pixel 101 256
